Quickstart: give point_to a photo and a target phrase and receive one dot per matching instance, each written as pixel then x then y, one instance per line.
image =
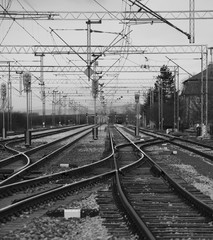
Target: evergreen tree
pixel 164 89
pixel 166 81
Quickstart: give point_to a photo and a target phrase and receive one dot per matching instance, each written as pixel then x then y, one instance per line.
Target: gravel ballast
pixel 38 225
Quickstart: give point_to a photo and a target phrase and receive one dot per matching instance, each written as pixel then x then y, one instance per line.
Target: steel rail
pixel 40 198
pixel 197 204
pixel 18 207
pixel 137 223
pixel 208 211
pixel 6 145
pixel 29 166
pixel 52 177
pixel 8 211
pixel 17 153
pixel 42 133
pixel 171 139
pixel 3 162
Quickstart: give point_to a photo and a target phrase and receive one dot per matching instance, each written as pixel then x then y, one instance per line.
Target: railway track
pixel 6 151
pixel 198 147
pixel 85 168
pixel 120 228
pixel 166 203
pixel 142 200
pixel 15 167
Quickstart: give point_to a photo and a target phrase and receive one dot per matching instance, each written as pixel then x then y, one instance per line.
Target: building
pixel 190 105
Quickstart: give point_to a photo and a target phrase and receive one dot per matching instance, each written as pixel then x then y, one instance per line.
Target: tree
pixel 159 102
pixel 166 81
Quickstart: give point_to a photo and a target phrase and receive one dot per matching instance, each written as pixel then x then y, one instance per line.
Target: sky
pixel 118 87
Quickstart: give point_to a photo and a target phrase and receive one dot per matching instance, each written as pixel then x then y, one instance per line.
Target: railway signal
pixel 3 91
pixel 27 89
pixel 3 96
pixel 137 96
pixel 27 81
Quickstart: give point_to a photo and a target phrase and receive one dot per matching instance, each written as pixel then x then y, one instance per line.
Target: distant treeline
pixel 19 121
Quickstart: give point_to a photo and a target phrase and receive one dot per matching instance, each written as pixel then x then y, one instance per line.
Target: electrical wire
pixel 20 25
pixel 7 32
pixel 141 6
pixel 124 28
pixel 52 30
pixel 32 16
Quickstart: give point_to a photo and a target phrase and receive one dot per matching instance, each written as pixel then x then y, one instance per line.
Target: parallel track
pixel 164 205
pixel 154 204
pixel 119 228
pixel 193 146
pixel 18 165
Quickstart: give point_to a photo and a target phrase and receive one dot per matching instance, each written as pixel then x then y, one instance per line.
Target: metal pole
pixel 174 93
pixel 87 118
pixel 206 87
pixel 89 48
pixel 27 87
pixel 9 101
pixel 192 20
pixel 3 96
pixel 27 111
pixel 42 89
pixel 95 91
pixel 79 114
pixel 89 31
pixel 178 104
pixel 95 111
pixel 162 119
pixel 27 142
pixel 41 55
pixel 159 108
pixel 3 121
pixel 150 107
pixel 59 110
pixel 53 111
pixel 201 100
pixel 95 94
pixel 53 107
pixel 65 104
pixel 137 96
pixel 30 109
pixel 76 115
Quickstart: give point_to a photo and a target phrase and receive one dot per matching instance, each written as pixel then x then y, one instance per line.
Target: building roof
pixel 192 86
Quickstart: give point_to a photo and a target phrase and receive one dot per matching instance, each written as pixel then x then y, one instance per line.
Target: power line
pixel 20 25
pixel 155 14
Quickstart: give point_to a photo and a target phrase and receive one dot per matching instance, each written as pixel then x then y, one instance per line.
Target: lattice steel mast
pixel 192 20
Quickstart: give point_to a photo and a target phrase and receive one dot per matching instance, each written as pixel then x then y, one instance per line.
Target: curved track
pixel 121 228
pixel 15 167
pixel 142 197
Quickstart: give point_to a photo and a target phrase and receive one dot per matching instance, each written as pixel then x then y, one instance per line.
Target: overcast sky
pixel 34 32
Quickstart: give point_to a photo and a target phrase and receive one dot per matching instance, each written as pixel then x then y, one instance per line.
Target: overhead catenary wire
pixel 32 16
pixel 7 32
pixel 20 25
pixel 52 30
pixel 141 6
pixel 179 66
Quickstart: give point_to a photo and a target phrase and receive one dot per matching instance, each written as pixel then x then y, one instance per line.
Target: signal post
pixel 27 89
pixel 3 97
